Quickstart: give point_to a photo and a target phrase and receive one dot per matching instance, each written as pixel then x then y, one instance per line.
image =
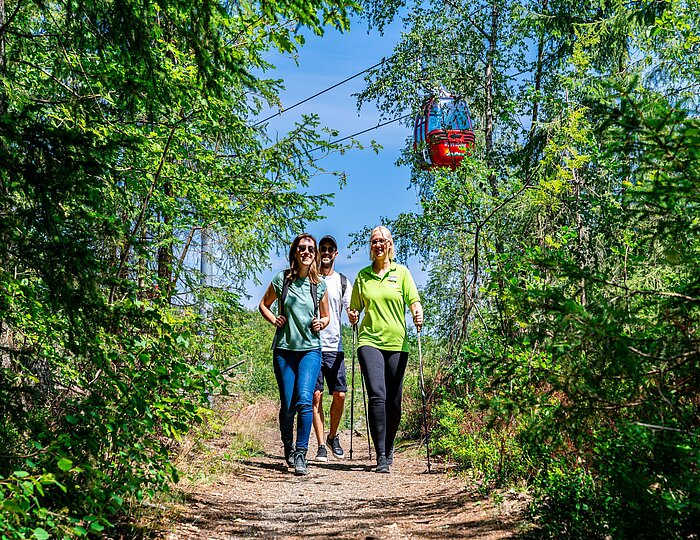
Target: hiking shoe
pixel 289 454
pixel 322 454
pixel 334 443
pixel 300 465
pixel 382 466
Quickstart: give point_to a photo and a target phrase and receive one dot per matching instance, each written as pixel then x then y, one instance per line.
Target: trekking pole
pixel 352 389
pixel 422 393
pixel 364 403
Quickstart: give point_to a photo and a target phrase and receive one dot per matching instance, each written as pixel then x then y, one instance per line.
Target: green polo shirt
pixel 384 300
pixel 296 334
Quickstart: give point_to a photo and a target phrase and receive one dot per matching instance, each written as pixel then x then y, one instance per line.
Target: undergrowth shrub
pixel 244 351
pixel 490 452
pixel 609 477
pixel 567 504
pixel 651 480
pixel 634 482
pixel 97 438
pixel 23 514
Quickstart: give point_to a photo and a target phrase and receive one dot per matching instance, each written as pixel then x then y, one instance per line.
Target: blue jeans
pixel 296 373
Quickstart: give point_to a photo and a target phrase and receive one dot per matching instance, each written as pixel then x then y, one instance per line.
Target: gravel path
pixel 343 499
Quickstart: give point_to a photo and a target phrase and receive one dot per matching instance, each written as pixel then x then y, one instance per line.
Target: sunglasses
pixel 302 248
pixel 327 249
pixel 378 242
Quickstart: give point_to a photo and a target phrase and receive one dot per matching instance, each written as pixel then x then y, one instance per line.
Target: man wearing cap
pixel 333 359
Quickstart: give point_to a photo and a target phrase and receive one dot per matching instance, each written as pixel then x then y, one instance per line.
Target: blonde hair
pixel 387 236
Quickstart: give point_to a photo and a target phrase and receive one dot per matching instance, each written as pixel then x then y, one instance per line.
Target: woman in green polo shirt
pixel 297 344
pixel 383 290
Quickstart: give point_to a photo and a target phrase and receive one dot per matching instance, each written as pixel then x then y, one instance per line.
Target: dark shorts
pixel 333 370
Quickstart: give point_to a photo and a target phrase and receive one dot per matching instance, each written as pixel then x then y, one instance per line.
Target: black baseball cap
pixel 330 239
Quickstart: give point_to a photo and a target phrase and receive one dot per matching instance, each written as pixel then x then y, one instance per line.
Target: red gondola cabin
pixel 443 133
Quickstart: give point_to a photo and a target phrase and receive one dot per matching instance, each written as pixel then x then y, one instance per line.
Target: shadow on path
pixel 443 516
pixel 341 499
pixel 338 500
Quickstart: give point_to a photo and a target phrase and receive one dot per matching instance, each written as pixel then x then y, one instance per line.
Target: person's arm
pixel 412 298
pixel 318 324
pixel 266 312
pixel 355 303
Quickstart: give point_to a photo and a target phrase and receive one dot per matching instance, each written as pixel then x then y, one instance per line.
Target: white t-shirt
pixel 330 335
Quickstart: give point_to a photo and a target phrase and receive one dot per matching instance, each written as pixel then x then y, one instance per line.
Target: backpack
pixel 343 288
pixel 283 297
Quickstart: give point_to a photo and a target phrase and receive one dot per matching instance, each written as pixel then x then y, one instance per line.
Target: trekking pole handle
pixel 418 321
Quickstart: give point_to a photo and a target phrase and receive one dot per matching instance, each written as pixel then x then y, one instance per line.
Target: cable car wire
pixel 232 156
pixel 278 113
pixel 314 160
pixel 363 131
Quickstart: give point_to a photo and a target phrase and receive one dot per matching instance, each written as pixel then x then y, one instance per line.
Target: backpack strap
pixel 314 296
pixel 343 288
pixel 343 285
pixel 280 307
pixel 283 296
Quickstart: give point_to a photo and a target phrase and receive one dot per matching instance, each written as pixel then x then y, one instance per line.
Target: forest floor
pixel 225 495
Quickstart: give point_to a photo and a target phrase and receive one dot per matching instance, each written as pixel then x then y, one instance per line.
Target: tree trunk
pixel 5 331
pixel 3 33
pixel 488 84
pixel 536 101
pixel 165 254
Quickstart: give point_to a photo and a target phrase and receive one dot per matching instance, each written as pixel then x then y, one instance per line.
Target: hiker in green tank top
pixel 383 290
pixel 302 314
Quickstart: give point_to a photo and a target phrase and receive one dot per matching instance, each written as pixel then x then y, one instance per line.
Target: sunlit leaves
pixel 125 129
pixel 573 286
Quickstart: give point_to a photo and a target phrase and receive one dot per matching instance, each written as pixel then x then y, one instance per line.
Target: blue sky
pixel 376 187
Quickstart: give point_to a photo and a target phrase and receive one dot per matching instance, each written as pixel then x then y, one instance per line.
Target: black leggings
pixel 383 372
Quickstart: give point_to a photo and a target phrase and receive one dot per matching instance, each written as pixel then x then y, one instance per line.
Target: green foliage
pixel 632 489
pixel 23 515
pixel 568 504
pixel 130 396
pixel 243 350
pixel 125 130
pixel 245 446
pixel 564 252
pixel 491 453
pixel 649 481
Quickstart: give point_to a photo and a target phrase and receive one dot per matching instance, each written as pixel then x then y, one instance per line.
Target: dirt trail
pixel 342 499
